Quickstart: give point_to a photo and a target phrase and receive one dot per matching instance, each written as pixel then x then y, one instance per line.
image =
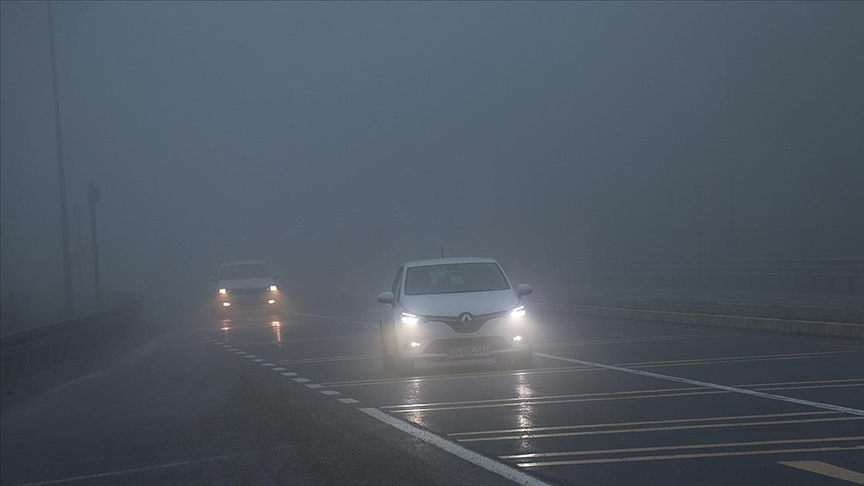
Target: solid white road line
pixel 825 469
pixel 716 386
pixel 457 450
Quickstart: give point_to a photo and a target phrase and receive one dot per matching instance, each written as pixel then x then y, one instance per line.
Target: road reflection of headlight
pixel 271 301
pixel 226 304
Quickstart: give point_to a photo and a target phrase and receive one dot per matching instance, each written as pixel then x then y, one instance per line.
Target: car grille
pixel 250 291
pixel 472 326
pixel 442 346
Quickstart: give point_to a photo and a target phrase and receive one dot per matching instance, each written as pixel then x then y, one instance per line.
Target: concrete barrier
pixel 25 352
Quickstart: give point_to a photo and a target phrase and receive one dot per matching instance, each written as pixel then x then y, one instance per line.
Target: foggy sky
pixel 336 140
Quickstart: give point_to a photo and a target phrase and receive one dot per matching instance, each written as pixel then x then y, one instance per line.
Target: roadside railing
pixel 28 351
pixel 827 276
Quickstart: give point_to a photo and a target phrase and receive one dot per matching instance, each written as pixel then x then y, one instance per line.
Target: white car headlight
pixel 273 288
pixel 223 291
pixel 518 313
pixel 410 319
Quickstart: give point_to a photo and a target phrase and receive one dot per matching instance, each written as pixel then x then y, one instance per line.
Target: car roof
pixel 448 261
pixel 241 262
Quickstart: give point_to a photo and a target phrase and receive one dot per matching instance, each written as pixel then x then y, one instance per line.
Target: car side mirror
pixel 212 279
pixel 277 275
pixel 386 297
pixel 524 289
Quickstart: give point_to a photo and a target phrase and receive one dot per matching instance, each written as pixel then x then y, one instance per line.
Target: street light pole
pixel 94 195
pixel 61 176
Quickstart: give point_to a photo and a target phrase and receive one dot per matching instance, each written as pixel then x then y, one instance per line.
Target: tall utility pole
pixel 94 195
pixel 61 176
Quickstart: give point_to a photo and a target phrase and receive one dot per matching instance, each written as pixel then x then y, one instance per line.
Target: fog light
pixel 517 338
pixel 271 301
pixel 226 304
pixel 415 344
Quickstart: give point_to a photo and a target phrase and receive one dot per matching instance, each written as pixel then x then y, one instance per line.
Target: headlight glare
pixel 273 288
pixel 410 319
pixel 223 291
pixel 518 312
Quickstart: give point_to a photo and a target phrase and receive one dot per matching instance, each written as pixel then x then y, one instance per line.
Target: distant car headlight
pixel 410 319
pixel 273 288
pixel 518 313
pixel 223 291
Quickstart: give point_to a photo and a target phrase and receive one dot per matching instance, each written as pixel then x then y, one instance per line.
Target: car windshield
pixel 452 279
pixel 245 270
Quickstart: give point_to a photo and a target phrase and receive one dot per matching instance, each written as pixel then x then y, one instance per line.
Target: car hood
pixel 452 305
pixel 246 283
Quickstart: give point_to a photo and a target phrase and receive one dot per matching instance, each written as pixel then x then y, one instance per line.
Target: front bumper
pixel 270 300
pixel 436 341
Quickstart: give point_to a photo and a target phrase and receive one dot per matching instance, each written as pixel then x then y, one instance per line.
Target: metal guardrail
pixel 25 352
pixel 837 276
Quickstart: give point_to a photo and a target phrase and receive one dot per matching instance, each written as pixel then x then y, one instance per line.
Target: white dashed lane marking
pixel 330 392
pixel 302 380
pixel 347 400
pixel 288 373
pixel 314 385
pixel 279 369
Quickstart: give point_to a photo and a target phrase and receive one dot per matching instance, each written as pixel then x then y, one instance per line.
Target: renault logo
pixel 466 319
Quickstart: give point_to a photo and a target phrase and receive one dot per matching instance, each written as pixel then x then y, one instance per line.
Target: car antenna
pixel 442 251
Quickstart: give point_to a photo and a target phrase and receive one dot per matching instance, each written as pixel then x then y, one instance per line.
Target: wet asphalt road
pixel 280 400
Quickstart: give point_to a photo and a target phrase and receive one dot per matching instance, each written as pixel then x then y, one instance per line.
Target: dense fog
pixel 336 140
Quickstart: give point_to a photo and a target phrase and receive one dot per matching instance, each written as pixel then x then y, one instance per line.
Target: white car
pixel 246 285
pixel 453 308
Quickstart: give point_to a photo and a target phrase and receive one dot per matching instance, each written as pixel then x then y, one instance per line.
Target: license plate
pixel 466 351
